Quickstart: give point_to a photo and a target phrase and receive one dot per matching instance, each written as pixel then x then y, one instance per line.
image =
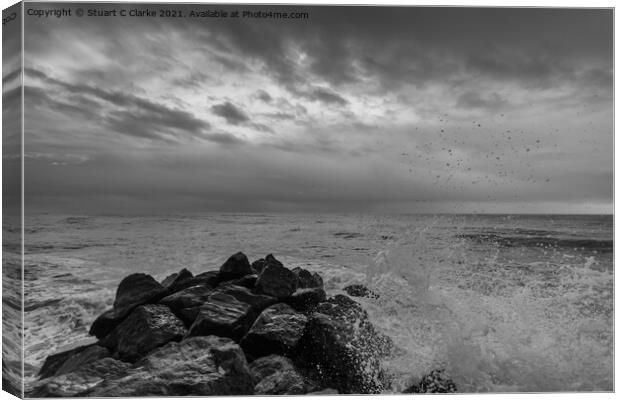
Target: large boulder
pixel 306 299
pixel 138 289
pixel 148 327
pixel 184 301
pixel 71 360
pixel 257 301
pixel 277 375
pixel 306 279
pixel 177 281
pixel 187 303
pixel 197 366
pixel 277 330
pixel 277 281
pixel 434 382
pixel 223 315
pixel 80 381
pixel 236 266
pixel 339 345
pixel 133 291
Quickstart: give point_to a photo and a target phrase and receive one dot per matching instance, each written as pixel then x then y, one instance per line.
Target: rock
pixel 306 279
pixel 258 302
pixel 340 344
pixel 273 375
pixel 277 281
pixel 235 267
pixel 435 382
pixel 134 290
pixel 71 360
pixel 277 330
pixel 189 298
pixel 306 299
pixel 78 382
pixel 248 281
pixel 175 282
pixel 211 278
pixel 259 265
pixel 197 366
pixel 223 315
pixel 358 290
pixel 138 289
pixel 146 328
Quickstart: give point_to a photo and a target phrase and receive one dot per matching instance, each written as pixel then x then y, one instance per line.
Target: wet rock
pixel 358 290
pixel 248 281
pixel 260 264
pixel 338 344
pixel 435 382
pixel 348 310
pixel 223 315
pixel 177 281
pixel 237 266
pixel 306 299
pixel 71 360
pixel 197 366
pixel 80 381
pixel 273 375
pixel 148 327
pixel 277 281
pixel 134 290
pixel 138 289
pixel 277 330
pixel 257 301
pixel 305 279
pixel 189 298
pixel 211 278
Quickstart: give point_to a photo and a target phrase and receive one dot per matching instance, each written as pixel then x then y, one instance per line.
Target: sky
pixel 354 109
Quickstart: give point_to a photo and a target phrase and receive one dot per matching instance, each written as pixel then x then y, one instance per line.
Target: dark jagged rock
pixel 306 299
pixel 435 382
pixel 358 290
pixel 277 281
pixel 277 330
pixel 134 290
pixel 71 360
pixel 211 278
pixel 276 375
pixel 189 298
pixel 148 327
pixel 257 301
pixel 248 281
pixel 198 366
pixel 260 264
pixel 237 266
pixel 306 279
pixel 177 280
pixel 80 381
pixel 341 345
pixel 223 316
pixel 138 289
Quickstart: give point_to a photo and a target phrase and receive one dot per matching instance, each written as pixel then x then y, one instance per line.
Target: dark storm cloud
pixel 131 116
pixel 231 113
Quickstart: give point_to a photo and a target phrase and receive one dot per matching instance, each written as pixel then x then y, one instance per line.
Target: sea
pixel 503 303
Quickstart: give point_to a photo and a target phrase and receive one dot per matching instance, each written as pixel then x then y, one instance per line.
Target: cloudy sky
pixel 352 109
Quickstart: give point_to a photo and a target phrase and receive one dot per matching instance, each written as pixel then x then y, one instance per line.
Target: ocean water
pixel 504 303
